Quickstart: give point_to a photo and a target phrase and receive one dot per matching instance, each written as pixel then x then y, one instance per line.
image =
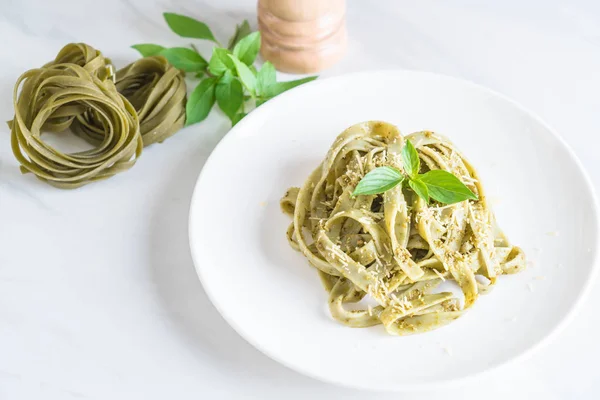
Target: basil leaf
pixel 260 101
pixel 247 77
pixel 265 78
pixel 220 62
pixel 280 87
pixel 199 74
pixel 410 159
pixel 241 31
pixel 200 101
pixel 237 118
pixel 188 27
pixel 229 94
pixel 445 187
pixel 420 189
pixel 246 49
pixel 184 59
pixel 148 49
pixel 378 180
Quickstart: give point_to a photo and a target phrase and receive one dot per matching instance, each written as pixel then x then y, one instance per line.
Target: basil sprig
pixel 379 180
pixel 436 184
pixel 229 78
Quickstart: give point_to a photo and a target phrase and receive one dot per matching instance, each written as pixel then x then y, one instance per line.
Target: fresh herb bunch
pixel 436 184
pixel 229 78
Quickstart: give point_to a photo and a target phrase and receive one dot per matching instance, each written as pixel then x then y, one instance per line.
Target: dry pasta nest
pixel 144 103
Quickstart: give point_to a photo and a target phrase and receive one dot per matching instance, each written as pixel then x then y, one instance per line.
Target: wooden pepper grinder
pixel 302 36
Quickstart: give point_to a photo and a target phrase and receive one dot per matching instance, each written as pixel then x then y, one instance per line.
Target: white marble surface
pixel 98 295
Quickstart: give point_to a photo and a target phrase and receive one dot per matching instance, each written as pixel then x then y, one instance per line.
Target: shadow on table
pixel 204 331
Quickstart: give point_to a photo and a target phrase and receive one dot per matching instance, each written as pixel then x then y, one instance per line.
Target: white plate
pixel 268 293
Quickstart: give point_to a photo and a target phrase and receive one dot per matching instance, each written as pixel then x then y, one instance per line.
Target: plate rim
pixel 441 383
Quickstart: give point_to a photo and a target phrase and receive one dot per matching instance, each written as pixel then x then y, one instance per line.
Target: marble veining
pixel 98 295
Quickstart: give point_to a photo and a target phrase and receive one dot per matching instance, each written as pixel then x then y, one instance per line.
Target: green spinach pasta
pixel 118 114
pixel 157 91
pixel 395 247
pixel 57 97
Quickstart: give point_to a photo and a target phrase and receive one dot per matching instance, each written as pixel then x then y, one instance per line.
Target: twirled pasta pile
pixel 394 246
pixel 144 104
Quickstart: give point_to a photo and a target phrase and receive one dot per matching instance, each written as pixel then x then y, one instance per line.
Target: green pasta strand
pixel 85 56
pixel 51 99
pixel 394 247
pixel 118 114
pixel 157 91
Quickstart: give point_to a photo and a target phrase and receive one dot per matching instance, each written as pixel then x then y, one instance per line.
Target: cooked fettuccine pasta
pixel 394 246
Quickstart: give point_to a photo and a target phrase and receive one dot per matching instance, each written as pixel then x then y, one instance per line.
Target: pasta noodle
pixel 143 104
pixel 394 246
pixel 55 98
pixel 157 91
